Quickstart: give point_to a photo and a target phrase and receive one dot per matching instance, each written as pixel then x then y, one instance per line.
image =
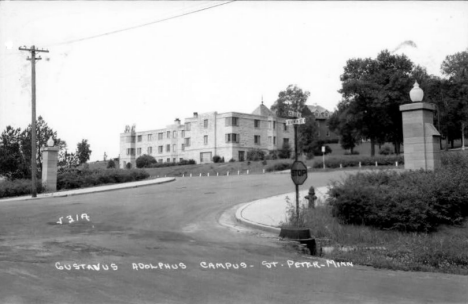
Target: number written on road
pixel 73 218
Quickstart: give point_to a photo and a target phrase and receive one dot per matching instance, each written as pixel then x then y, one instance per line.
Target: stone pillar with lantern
pixel 49 166
pixel 421 139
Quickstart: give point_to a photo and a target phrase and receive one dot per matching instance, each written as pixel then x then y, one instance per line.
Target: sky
pixel 96 78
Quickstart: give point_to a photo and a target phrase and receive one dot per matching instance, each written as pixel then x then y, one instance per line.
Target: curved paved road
pixel 176 224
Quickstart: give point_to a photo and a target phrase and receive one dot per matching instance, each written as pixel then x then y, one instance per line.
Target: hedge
pixel 18 187
pixel 417 201
pixel 353 161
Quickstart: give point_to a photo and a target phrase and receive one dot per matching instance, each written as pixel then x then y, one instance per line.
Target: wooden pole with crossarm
pixel 33 59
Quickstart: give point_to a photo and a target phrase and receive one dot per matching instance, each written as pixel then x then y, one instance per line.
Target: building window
pixel 139 151
pixel 328 133
pixel 205 139
pixel 149 150
pixel 174 134
pixel 150 137
pixel 257 123
pixel 182 147
pixel 139 138
pixel 160 160
pixel 168 160
pixel 168 148
pixel 182 133
pixel 173 160
pixel 257 139
pixel 131 151
pixel 160 149
pixel 269 140
pixel 232 138
pixel 187 142
pixel 269 124
pixel 285 140
pixel 205 123
pixel 285 127
pixel 187 126
pixel 274 140
pixel 274 125
pixel 232 121
pixel 174 148
pixel 160 136
pixel 168 134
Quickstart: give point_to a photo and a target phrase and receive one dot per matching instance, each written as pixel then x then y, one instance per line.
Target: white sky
pixel 222 59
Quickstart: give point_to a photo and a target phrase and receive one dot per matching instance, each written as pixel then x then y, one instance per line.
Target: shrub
pixel 222 160
pixel 18 187
pixel 145 161
pixel 128 166
pixel 232 160
pixel 410 201
pixel 273 154
pixel 353 161
pixel 386 150
pixel 285 151
pixel 110 164
pixel 278 167
pixel 171 164
pixel 74 178
pixel 255 154
pixel 351 153
pixel 216 159
pixel 264 163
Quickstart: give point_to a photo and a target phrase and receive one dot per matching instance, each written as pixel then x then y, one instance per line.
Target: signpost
pixel 298 169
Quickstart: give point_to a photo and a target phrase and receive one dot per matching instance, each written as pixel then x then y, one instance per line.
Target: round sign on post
pixel 298 172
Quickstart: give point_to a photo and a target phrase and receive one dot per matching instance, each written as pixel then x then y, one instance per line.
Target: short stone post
pixel 49 166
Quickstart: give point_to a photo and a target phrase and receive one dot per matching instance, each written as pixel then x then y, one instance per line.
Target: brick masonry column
pixel 49 168
pixel 420 138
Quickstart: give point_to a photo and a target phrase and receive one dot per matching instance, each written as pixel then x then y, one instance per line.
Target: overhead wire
pixel 140 25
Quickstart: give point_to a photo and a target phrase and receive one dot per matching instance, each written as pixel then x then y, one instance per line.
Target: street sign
pixel 294 114
pixel 299 121
pixel 298 172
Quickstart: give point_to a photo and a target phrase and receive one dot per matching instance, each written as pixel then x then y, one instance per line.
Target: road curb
pixel 252 224
pixel 104 189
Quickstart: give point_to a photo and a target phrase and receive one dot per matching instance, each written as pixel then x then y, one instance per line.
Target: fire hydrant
pixel 311 197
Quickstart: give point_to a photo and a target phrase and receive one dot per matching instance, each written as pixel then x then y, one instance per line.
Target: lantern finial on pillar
pixel 416 94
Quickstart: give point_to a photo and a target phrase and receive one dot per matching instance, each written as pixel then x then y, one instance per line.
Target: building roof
pixel 262 110
pixel 319 111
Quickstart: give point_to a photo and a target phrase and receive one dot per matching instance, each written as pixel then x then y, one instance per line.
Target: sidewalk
pixel 268 213
pixel 92 189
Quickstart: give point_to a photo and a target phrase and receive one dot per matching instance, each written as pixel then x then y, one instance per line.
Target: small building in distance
pixel 200 137
pixel 321 117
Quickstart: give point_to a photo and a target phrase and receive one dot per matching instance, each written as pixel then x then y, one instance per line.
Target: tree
pixel 292 99
pixel 43 133
pixel 110 164
pixel 83 152
pixel 456 68
pixel 12 161
pixel 343 123
pixel 145 161
pixel 373 90
pixel 307 133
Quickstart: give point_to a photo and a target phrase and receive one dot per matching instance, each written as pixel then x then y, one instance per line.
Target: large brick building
pixel 229 135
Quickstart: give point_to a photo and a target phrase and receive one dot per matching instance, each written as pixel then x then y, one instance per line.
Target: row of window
pixel 230 121
pixel 230 138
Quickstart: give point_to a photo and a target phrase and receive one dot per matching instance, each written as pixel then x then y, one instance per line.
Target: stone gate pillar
pixel 49 166
pixel 421 139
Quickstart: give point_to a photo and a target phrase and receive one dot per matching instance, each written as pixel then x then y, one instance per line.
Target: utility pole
pixel 33 59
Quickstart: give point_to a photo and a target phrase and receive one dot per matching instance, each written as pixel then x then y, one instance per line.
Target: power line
pixel 141 25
